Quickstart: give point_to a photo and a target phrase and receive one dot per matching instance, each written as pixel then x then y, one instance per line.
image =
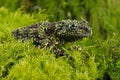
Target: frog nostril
pixel 81 27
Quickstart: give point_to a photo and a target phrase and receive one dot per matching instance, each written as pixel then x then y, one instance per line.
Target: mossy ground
pixel 97 57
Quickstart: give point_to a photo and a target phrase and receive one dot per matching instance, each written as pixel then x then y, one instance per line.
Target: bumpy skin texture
pixel 53 34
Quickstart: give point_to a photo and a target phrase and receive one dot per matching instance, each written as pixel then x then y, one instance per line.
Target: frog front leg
pixel 52 43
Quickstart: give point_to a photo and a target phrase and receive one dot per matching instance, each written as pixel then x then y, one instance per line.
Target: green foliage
pixel 102 15
pixel 12 5
pixel 94 57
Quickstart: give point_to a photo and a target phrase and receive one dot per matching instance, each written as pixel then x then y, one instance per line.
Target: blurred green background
pixel 103 15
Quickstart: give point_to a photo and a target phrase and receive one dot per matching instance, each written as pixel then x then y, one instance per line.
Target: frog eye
pixel 73 26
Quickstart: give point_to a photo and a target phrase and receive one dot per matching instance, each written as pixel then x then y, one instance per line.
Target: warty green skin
pixel 53 34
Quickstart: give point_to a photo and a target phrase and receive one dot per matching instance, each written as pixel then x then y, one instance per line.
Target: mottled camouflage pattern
pixel 47 34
